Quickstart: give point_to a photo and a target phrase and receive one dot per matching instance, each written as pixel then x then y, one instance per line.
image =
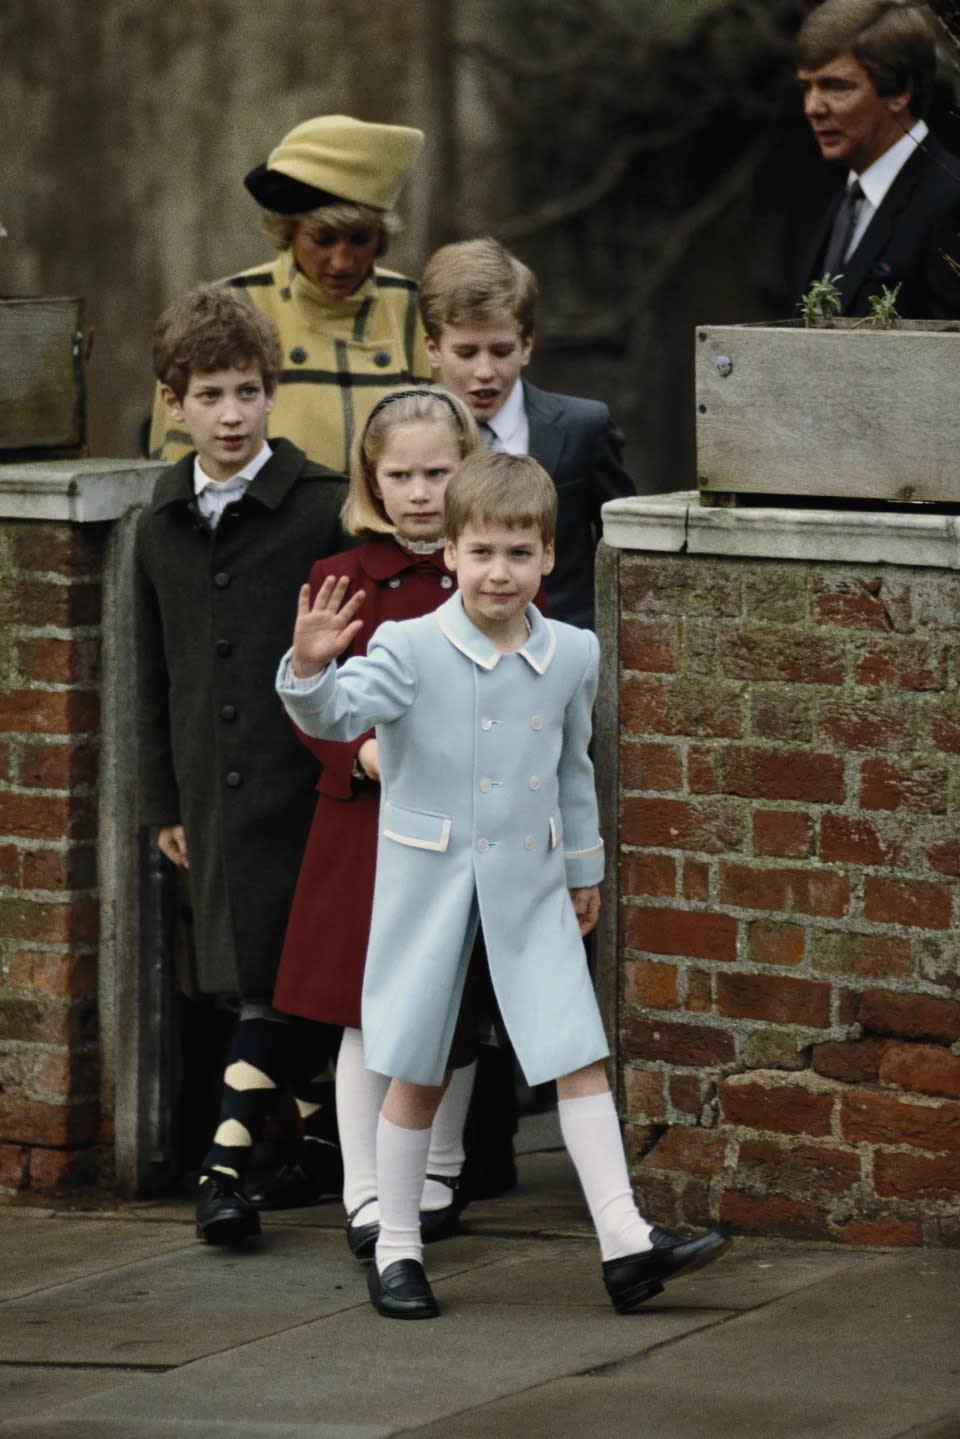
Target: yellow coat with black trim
pixel 339 357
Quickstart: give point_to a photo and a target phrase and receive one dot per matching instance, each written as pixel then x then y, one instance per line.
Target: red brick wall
pixel 790 853
pixel 50 599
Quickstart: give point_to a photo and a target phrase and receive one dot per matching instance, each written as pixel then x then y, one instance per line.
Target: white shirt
pixel 213 496
pixel 509 425
pixel 878 177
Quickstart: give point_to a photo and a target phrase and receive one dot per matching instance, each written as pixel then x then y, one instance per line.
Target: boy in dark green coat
pixel 221 551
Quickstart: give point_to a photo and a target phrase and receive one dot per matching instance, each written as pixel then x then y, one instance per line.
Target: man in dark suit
pixel 867 71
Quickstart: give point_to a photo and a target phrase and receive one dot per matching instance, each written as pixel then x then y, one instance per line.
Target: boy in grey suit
pixel 488 821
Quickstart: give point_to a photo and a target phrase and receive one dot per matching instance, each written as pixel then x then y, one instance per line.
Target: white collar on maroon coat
pixel 461 632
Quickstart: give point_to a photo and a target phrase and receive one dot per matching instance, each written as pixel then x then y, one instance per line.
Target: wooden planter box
pixel 841 413
pixel 42 365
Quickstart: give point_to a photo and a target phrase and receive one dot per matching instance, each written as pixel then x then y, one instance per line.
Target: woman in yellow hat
pixel 348 327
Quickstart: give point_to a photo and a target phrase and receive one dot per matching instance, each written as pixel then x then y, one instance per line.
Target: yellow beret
pixel 340 159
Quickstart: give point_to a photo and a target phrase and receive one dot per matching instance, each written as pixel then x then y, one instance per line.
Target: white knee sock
pixel 591 1132
pixel 360 1093
pixel 401 1166
pixel 446 1137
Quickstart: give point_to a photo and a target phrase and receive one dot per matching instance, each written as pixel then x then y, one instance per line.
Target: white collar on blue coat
pixel 460 631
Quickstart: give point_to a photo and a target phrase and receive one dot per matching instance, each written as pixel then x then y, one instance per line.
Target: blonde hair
pixel 363 511
pixel 476 282
pixel 338 215
pixel 492 487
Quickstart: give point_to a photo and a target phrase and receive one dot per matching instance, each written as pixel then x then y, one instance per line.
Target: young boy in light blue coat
pixel 488 817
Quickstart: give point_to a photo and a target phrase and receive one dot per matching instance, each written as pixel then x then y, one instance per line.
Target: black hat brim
pixel 283 194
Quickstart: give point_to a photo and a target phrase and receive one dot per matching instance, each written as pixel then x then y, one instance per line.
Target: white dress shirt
pixel 878 177
pixel 213 496
pixel 511 432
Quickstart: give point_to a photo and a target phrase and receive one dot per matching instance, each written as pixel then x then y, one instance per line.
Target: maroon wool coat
pixel 321 968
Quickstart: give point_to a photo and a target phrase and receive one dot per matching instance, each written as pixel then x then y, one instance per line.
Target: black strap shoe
pixel 310 1178
pixel 441 1223
pixel 402 1291
pixel 224 1213
pixel 362 1238
pixel 635 1278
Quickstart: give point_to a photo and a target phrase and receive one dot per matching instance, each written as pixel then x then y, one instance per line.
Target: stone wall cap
pixel 79 491
pixel 678 524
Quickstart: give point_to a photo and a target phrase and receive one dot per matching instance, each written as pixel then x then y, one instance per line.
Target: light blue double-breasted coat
pixel 488 809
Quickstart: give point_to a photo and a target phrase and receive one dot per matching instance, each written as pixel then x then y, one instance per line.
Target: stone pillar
pixel 66 822
pixel 787 986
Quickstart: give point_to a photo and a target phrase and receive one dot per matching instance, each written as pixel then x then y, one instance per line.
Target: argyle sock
pixel 591 1132
pixel 255 1070
pixel 360 1094
pixel 401 1166
pixel 446 1138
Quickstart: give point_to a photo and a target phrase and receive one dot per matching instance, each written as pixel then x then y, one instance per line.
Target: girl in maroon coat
pixel 409 447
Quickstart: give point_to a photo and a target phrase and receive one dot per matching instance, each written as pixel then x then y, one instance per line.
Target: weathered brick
pixel 648 874
pixel 646 764
pixel 851 1061
pixel 874 603
pixel 650 985
pixel 688 1093
pixel 50 712
pixel 50 921
pixel 771 943
pixel 34 816
pixel 681 707
pixel 779 653
pixel 867 724
pixel 9 864
pixel 693 1046
pixel 700 990
pixel 799 774
pixel 644 1089
pixel 14 1168
pixel 784 713
pixel 807 891
pixel 58 766
pixel 679 586
pixel 923 1068
pixel 707 825
pixel 944 724
pixel 701 769
pixel 810 1172
pixel 62 605
pixel 918 903
pixel 73 868
pixel 867 1117
pixel 72 551
pixel 784 1047
pixel 773 1215
pixel 883 1231
pixel 777 594
pixel 892 784
pixel 778 1105
pixel 690 1149
pixel 787 833
pixel 859 839
pixel 914 1176
pixel 911 664
pixel 651 645
pixel 53 972
pixel 774 999
pixel 31 1121
pixel 50 660
pixel 696 879
pixel 54 1171
pixel 871 955
pixel 910 1016
pixel 698 934
pixel 32 1020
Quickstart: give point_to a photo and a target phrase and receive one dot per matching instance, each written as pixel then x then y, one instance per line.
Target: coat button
pixel 483 845
pixel 233 779
pixel 381 358
pixel 446 582
pixel 529 842
pixel 224 649
pixel 485 786
pixel 228 713
pixel 486 722
pixel 536 722
pixel 534 781
pixel 298 354
pixel 221 579
pixel 393 583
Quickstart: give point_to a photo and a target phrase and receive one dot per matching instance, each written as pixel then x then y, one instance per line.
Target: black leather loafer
pixel 297 1184
pixel 224 1213
pixel 441 1223
pixel 632 1280
pixel 401 1291
pixel 362 1238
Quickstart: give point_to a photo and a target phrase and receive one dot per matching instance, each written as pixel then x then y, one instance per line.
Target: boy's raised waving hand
pixel 324 629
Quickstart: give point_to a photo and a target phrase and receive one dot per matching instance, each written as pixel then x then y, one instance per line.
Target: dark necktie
pixel 488 435
pixel 844 224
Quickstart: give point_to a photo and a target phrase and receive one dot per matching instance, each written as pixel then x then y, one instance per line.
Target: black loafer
pixel 224 1213
pixel 297 1184
pixel 441 1223
pixel 362 1238
pixel 632 1280
pixel 402 1291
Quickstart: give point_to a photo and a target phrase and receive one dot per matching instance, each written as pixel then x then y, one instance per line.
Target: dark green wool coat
pixel 214 613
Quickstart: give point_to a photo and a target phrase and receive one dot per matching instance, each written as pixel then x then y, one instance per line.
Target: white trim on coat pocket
pixel 556 830
pixel 417 828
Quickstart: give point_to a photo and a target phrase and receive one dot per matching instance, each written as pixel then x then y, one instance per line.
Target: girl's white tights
pixel 360 1095
pixel 591 1132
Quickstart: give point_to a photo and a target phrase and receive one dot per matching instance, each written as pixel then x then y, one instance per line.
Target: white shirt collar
pixel 878 177
pixel 239 481
pixel 509 424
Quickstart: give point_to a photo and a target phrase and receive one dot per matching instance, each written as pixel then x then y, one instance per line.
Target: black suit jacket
pixel 581 449
pixel 918 219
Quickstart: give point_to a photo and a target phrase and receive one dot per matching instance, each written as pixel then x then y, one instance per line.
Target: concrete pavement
pixel 118 1324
